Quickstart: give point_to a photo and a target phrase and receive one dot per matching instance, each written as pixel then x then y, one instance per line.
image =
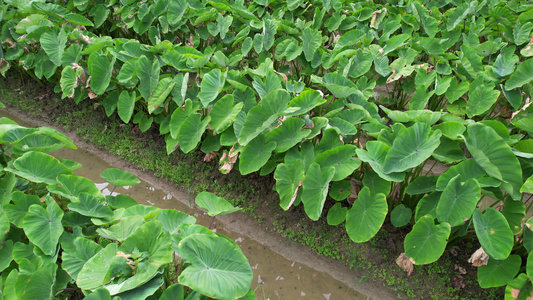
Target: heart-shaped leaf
pixel 288 177
pixel 315 189
pixel 43 226
pixel 118 177
pixel 499 272
pixel 39 167
pixel 493 233
pixel 458 201
pixel 426 241
pixel 366 216
pixel 215 205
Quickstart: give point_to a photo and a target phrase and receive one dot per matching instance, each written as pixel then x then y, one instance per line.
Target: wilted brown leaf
pixel 479 258
pixel 210 156
pixel 406 263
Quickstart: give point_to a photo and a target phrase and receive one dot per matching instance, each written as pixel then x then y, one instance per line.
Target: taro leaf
pixel 91 206
pixel 43 226
pixel 224 113
pixel 342 158
pixel 39 285
pixel 269 31
pixel 172 220
pixel 306 101
pixel 99 294
pixel 340 190
pixel 401 215
pixel 74 259
pixel 156 248
pixel 412 146
pixel 514 212
pixel 141 210
pixel 426 241
pixel 38 167
pixel 6 255
pixel 54 44
pixel 375 155
pixel 366 216
pixel 180 115
pixel 118 177
pixel 120 201
pixel 255 154
pixel 375 183
pixel 68 81
pixel 148 74
pixel 126 105
pixel 519 288
pixel 422 185
pixel 467 169
pixel 329 140
pixel 521 76
pixel 191 131
pixel 493 154
pixel 218 268
pixel 121 231
pixel 480 100
pixel 493 233
pixel 160 93
pixel 96 271
pixel 77 19
pixel 215 205
pixel 505 62
pixel 6 187
pixel 450 129
pixel 176 9
pixel 175 291
pixel 270 84
pixel 71 186
pixel 187 230
pixel 458 15
pixel 100 69
pixel 36 142
pixel 288 134
pixel 499 272
pixel 143 291
pixel 458 201
pixel 312 40
pixel 263 115
pixel 337 214
pixel 315 189
pixel 338 85
pixel 456 90
pixel 21 203
pixel 288 177
pixel 211 85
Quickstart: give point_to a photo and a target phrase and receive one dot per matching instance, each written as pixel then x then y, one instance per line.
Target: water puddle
pixel 275 277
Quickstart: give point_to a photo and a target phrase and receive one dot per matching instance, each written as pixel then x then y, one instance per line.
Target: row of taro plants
pixel 63 239
pixel 351 102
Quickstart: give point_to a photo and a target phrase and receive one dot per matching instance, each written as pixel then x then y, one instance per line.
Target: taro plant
pixel 63 238
pixel 347 102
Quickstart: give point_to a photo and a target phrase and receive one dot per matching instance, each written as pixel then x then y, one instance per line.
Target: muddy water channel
pixel 276 276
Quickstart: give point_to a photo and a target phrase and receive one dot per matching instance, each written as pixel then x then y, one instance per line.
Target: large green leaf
pixel 100 69
pixel 342 158
pixel 176 9
pixel 458 201
pixel 514 212
pixel 191 131
pixel 118 177
pixel 366 216
pixel 39 167
pixel 148 74
pixel 224 113
pixel 68 81
pixel 315 189
pixel 261 116
pixel 493 154
pixel 288 134
pixel 39 283
pixel 121 231
pixel 498 272
pixel 218 268
pixel 54 44
pixel 43 226
pixel 521 76
pixel 74 259
pixel 160 93
pixel 255 154
pixel 426 241
pixel 21 203
pixel 289 177
pixel 312 39
pixel 412 147
pixel 215 205
pixel 91 206
pixel 172 220
pixel 493 233
pixel 96 271
pixel 375 155
pixel 156 249
pixel 401 215
pixel 480 100
pixel 212 84
pixel 306 101
pixel 339 86
pixel 71 186
pixel 126 105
